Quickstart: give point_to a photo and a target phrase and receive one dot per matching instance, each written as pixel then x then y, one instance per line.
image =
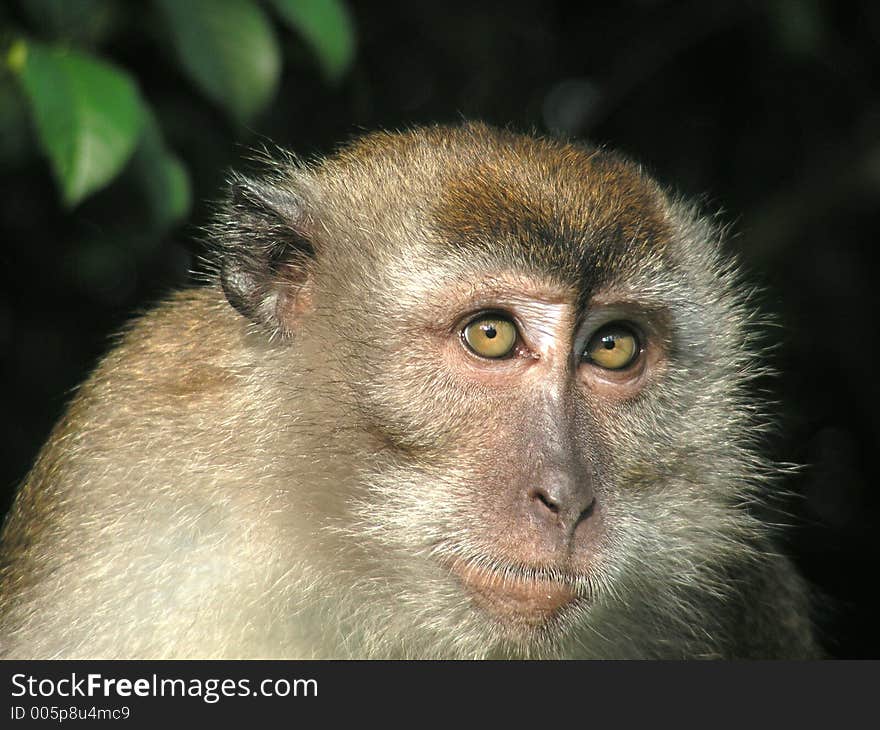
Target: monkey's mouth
pixel 526 598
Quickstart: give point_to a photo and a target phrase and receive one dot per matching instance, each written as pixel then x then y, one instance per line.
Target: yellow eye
pixel 613 347
pixel 491 336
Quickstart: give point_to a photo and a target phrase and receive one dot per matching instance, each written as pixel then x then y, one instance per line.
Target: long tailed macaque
pixel 453 392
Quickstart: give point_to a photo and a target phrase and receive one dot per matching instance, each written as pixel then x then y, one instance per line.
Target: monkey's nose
pixel 562 501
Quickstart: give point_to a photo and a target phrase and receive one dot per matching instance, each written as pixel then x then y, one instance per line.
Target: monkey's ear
pixel 265 254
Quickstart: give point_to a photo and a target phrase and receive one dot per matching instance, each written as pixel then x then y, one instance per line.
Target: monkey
pixel 451 392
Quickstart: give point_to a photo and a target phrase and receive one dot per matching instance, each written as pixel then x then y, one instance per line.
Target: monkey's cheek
pixel 515 601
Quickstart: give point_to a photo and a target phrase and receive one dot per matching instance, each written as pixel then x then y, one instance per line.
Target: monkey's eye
pixel 490 335
pixel 613 347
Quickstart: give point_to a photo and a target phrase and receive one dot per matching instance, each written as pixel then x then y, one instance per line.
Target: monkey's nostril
pixel 588 510
pixel 541 496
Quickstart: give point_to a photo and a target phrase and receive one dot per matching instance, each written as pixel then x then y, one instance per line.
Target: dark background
pixel 769 111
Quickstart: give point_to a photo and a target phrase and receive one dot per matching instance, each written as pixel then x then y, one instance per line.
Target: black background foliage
pixel 767 110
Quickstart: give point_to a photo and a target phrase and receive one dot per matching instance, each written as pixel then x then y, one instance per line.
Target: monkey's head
pixel 517 371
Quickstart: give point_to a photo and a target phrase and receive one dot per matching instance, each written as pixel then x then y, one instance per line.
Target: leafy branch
pixel 91 118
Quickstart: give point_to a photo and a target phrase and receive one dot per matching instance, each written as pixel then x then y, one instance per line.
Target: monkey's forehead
pixel 526 201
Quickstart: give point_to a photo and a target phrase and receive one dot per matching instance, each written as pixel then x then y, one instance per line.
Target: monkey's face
pixel 501 409
pixel 539 360
pixel 528 452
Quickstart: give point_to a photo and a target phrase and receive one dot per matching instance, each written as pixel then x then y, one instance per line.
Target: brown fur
pixel 322 469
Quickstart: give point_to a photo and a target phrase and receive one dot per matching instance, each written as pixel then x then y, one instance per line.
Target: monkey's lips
pixel 513 597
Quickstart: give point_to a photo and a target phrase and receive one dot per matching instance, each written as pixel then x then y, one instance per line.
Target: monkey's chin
pixel 516 601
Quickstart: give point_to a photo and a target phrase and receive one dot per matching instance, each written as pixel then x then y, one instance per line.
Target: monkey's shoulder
pixel 138 419
pixel 188 344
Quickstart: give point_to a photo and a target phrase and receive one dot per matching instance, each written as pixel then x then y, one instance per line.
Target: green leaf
pixel 88 115
pixel 161 176
pixel 327 27
pixel 229 50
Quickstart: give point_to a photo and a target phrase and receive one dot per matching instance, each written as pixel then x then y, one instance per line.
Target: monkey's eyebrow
pixel 506 285
pixel 616 295
pixel 626 305
pixel 445 305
